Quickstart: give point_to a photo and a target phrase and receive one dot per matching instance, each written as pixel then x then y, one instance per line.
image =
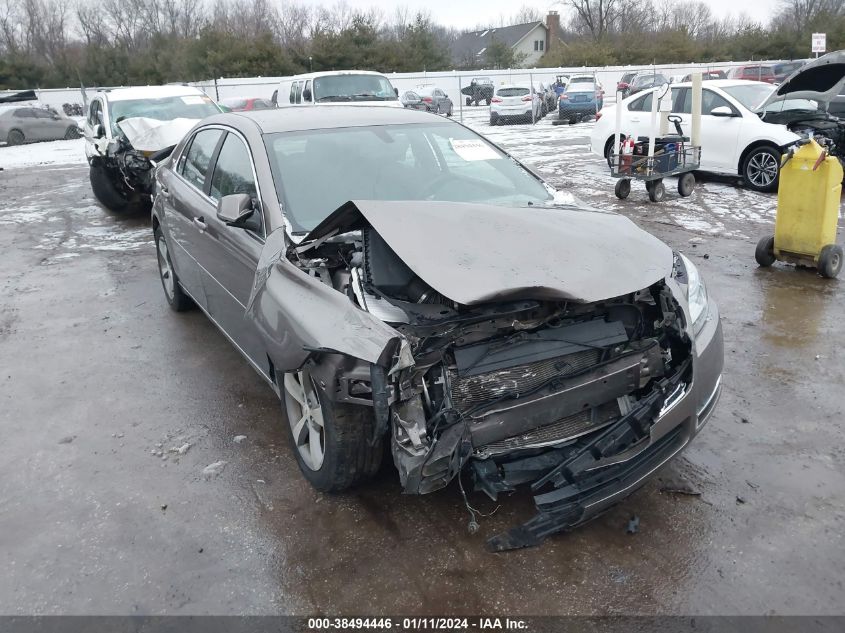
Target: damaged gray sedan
pixel 397 278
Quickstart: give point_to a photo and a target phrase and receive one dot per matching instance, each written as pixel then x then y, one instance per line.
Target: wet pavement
pixel 111 407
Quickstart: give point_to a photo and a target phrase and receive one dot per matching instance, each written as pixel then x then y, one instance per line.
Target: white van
pixel 336 87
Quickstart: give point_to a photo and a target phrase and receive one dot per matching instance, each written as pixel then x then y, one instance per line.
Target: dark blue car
pixel 579 101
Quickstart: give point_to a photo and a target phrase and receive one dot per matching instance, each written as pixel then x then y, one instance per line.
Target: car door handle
pixel 162 189
pixel 200 223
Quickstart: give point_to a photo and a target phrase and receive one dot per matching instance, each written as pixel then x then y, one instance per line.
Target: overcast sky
pixel 465 14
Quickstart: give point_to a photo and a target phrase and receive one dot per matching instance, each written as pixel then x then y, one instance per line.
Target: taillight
pixel 564 97
pixel 598 115
pixel 427 99
pixel 526 98
pixel 495 100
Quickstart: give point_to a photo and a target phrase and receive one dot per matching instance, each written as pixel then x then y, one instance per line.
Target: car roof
pixel 150 92
pixel 325 117
pixel 328 73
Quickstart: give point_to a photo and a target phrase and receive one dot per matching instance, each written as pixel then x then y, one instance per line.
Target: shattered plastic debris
pixel 181 450
pixel 238 439
pixel 212 470
pixel 633 525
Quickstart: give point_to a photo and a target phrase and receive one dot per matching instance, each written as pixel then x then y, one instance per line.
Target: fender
pixel 297 315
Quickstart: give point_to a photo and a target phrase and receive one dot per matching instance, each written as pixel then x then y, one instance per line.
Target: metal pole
pixel 695 115
pixel 460 100
pixel 531 81
pixel 216 92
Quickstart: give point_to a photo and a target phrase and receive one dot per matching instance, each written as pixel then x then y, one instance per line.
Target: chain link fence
pixel 451 82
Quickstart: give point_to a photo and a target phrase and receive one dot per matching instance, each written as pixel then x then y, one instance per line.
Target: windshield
pixel 752 97
pixel 581 87
pixel 316 171
pixel 353 88
pixel 164 109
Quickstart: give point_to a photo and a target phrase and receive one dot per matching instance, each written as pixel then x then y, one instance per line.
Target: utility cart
pixel 657 156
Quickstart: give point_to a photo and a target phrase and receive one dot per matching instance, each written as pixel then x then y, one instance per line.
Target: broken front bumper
pixel 572 487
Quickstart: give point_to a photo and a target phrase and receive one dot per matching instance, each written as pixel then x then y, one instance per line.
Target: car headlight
pixel 696 295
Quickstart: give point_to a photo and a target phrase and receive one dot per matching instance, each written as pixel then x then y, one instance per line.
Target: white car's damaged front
pixel 128 130
pixel 488 330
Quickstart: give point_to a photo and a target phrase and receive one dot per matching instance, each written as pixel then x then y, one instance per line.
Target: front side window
pixel 393 162
pixel 643 104
pixel 233 170
pixel 195 165
pixel 24 113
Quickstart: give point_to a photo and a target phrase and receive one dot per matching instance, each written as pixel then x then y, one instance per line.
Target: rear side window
pixel 195 166
pixel 233 170
pixel 24 113
pixel 512 92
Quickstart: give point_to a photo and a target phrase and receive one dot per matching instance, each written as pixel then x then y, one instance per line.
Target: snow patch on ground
pixel 49 153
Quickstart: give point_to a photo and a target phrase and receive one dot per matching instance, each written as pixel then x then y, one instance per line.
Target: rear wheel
pixel 15 137
pixel 71 133
pixel 331 441
pixel 830 261
pixel 761 168
pixel 686 185
pixel 176 297
pixel 765 252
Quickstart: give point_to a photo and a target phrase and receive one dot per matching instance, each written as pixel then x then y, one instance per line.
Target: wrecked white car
pixel 127 130
pixel 396 278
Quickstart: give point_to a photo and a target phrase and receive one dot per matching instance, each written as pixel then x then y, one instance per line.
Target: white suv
pixel 515 102
pixel 126 127
pixel 339 87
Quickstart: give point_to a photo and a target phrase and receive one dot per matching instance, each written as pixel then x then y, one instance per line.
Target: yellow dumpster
pixel 808 211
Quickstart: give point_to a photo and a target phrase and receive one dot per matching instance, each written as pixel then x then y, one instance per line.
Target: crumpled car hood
pixel 821 80
pixel 476 253
pixel 152 135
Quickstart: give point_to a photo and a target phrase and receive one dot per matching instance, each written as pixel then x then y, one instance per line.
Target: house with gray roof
pixel 528 41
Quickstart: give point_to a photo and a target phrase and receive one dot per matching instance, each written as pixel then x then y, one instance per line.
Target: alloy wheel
pixel 305 416
pixel 762 169
pixel 165 269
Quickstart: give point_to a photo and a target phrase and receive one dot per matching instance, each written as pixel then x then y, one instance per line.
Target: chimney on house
pixel 552 30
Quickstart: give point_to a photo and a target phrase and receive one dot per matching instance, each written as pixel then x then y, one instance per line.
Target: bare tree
pixel 595 17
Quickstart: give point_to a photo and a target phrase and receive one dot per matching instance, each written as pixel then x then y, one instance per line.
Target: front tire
pixel 331 441
pixel 105 191
pixel 176 297
pixel 761 169
pixel 15 137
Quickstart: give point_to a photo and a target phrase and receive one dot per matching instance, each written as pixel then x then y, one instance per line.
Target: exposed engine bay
pixel 827 129
pixel 554 394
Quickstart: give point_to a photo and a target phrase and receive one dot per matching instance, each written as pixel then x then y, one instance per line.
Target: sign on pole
pixel 819 42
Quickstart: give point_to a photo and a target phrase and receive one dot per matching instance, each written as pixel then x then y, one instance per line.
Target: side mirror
pixel 235 209
pixel 723 111
pixel 306 95
pixel 396 90
pixel 98 131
